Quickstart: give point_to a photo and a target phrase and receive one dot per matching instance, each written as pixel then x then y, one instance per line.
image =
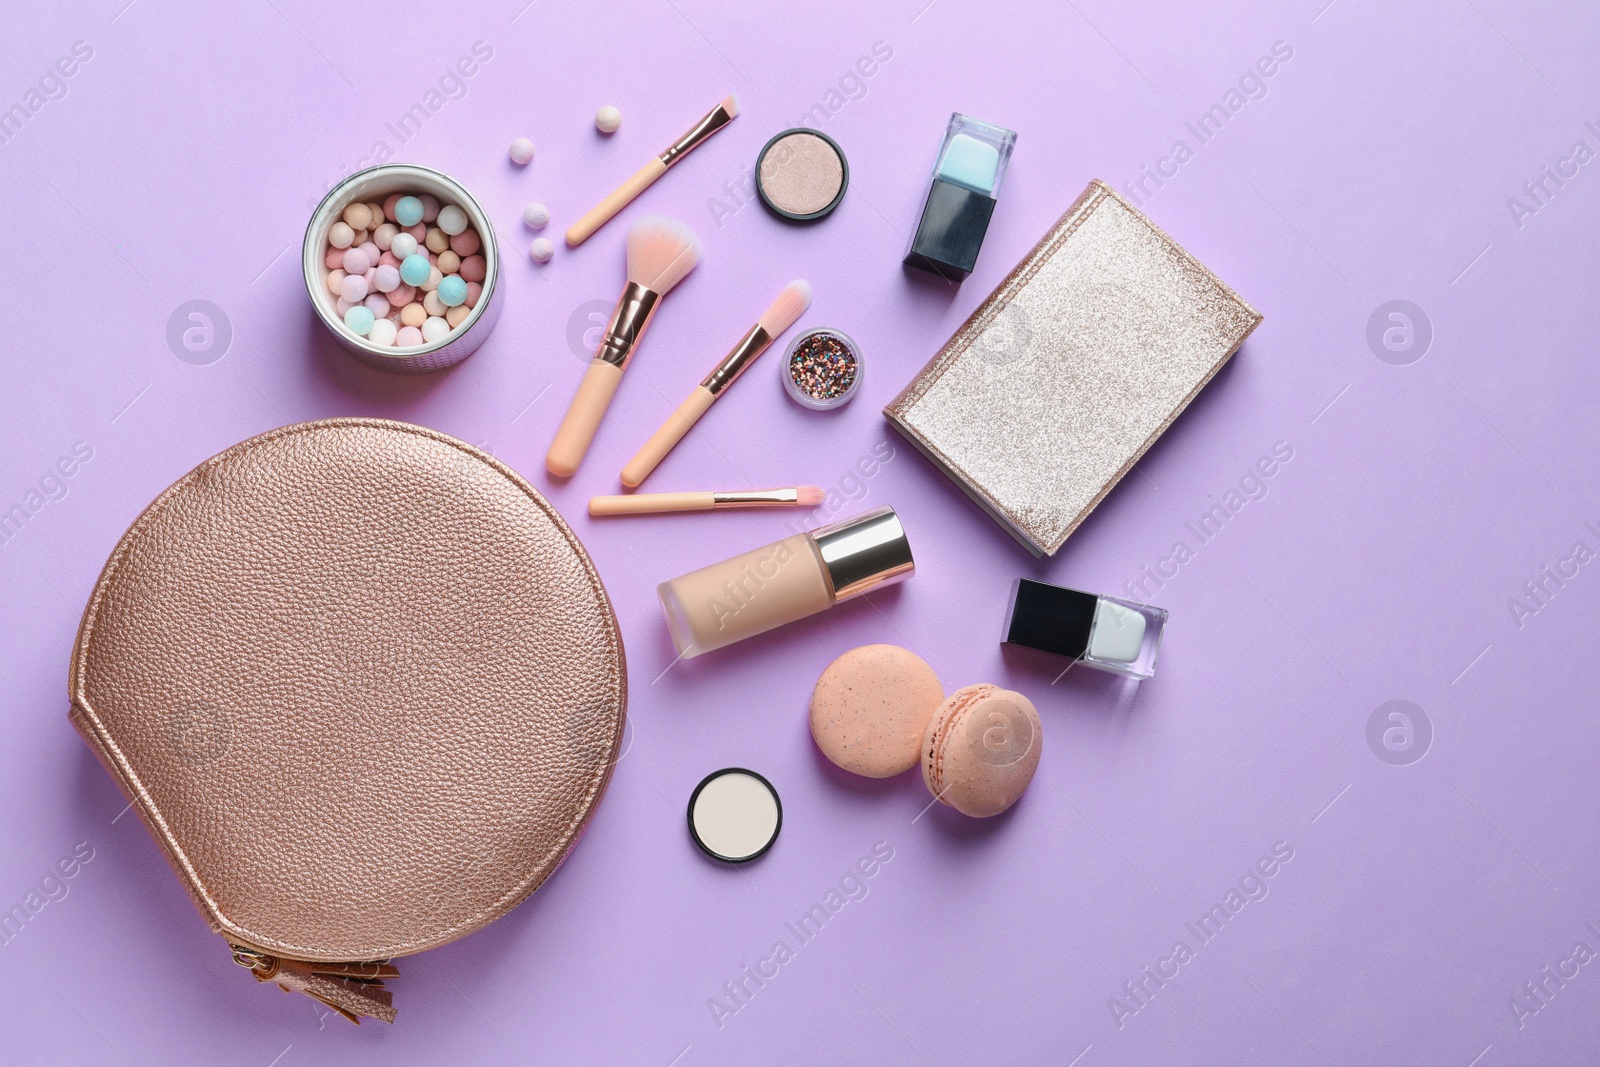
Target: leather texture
pixel 361 682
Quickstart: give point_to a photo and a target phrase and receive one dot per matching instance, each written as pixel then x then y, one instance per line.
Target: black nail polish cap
pixel 1050 618
pixel 966 183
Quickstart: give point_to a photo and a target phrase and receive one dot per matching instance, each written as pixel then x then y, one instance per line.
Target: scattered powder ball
pixel 541 250
pixel 607 119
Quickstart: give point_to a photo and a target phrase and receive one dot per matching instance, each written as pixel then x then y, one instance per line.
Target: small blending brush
pixel 660 253
pixel 719 117
pixel 789 306
pixel 804 496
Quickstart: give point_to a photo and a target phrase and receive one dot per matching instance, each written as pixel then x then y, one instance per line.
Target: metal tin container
pixel 375 184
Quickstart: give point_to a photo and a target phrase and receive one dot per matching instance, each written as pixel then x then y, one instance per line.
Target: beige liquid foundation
pixel 787 580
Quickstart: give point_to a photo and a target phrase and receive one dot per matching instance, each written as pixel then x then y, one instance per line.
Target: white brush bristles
pixel 790 305
pixel 660 252
pixel 731 105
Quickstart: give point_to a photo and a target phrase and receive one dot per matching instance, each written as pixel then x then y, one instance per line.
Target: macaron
pixel 870 709
pixel 981 749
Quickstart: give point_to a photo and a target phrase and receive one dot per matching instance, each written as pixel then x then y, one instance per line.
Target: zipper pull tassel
pixel 353 989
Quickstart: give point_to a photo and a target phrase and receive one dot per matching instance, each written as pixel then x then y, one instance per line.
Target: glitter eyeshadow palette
pixel 1072 368
pixel 822 369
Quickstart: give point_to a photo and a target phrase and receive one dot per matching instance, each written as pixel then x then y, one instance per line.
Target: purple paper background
pixel 181 163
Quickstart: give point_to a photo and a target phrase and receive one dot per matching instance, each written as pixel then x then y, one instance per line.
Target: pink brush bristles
pixel 810 496
pixel 790 305
pixel 660 252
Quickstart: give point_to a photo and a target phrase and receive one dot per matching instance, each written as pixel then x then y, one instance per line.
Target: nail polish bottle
pixel 787 580
pixel 1107 633
pixel 966 183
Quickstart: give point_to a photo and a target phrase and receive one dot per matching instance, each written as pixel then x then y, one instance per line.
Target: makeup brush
pixel 803 496
pixel 790 305
pixel 660 253
pixel 718 117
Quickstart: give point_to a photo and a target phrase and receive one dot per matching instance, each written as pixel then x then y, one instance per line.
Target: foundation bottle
pixel 790 579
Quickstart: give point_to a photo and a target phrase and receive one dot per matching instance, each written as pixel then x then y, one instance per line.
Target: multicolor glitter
pixel 824 369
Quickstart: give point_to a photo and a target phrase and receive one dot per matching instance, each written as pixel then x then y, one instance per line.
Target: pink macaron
pixel 981 749
pixel 871 707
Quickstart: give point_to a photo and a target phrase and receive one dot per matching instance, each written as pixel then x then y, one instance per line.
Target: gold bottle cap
pixel 865 553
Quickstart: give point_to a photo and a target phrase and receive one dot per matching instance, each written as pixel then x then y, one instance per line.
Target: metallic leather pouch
pixel 365 689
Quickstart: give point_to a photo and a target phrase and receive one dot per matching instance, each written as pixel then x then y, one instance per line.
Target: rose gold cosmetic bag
pixel 365 689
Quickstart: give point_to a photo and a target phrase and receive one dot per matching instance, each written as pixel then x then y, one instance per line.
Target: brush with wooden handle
pixel 660 253
pixel 646 175
pixel 800 496
pixel 789 306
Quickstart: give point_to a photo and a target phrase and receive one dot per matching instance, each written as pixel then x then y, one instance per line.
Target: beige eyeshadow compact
pixel 801 175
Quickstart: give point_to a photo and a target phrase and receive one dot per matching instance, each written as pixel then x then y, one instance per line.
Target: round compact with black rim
pixel 734 815
pixel 801 175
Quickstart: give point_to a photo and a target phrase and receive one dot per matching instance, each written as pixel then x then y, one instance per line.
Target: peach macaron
pixel 870 709
pixel 981 748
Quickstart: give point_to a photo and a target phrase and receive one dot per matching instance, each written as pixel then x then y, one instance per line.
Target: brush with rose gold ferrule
pixel 800 496
pixel 646 176
pixel 789 306
pixel 660 253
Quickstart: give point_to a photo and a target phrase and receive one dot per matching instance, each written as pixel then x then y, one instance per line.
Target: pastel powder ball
pixel 536 216
pixel 452 291
pixel 522 151
pixel 542 249
pixel 359 319
pixel 408 337
pixel 452 220
pixel 383 332
pixel 408 211
pixel 387 279
pixel 870 709
pixel 414 269
pixel 607 119
pixel 403 245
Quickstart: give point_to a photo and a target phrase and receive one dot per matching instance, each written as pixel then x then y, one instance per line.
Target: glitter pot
pixel 373 185
pixel 801 175
pixel 822 369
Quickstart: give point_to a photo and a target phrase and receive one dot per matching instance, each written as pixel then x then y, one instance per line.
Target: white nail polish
pixel 1104 632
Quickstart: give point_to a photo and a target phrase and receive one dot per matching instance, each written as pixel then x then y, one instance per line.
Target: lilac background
pixel 181 164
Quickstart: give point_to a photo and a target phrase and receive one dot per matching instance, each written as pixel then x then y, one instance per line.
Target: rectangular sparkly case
pixel 1072 368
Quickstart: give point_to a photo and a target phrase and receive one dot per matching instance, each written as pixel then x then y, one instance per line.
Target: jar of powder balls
pixel 422 311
